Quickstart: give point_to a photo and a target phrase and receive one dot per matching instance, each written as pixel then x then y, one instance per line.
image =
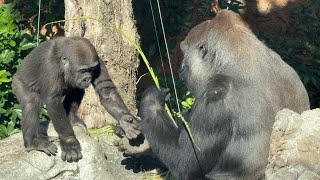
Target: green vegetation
pixel 17 39
pixel 299 46
pixel 15 43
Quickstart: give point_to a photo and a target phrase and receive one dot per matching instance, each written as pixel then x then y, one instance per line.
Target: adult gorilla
pixel 239 85
pixel 57 72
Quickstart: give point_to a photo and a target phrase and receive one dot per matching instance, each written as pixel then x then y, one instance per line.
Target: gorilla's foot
pixel 130 147
pixel 71 149
pixel 43 145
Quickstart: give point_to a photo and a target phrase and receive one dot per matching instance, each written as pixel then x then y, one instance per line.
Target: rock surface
pixel 294 154
pixel 295 146
pixel 97 163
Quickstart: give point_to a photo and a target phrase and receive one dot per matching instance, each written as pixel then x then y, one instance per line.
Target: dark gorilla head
pixel 208 49
pixel 79 63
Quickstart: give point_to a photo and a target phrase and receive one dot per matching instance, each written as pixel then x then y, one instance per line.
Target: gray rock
pixel 295 146
pixel 17 163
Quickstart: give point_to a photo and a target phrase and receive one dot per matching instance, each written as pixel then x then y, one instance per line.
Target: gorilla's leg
pixel 30 105
pixel 71 105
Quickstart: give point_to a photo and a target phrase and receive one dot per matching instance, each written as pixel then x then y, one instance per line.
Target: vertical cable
pixel 159 48
pixel 38 28
pixel 165 41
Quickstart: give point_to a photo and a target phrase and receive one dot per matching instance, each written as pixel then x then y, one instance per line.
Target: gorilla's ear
pixel 204 50
pixel 64 60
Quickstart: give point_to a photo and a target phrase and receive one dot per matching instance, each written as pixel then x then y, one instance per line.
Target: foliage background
pixel 298 44
pixel 18 22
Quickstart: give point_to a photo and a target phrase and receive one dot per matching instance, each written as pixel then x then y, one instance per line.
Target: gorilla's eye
pixel 203 50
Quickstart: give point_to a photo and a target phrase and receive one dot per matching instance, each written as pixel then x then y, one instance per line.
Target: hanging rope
pixel 159 48
pixel 175 90
pixel 38 28
pixel 165 42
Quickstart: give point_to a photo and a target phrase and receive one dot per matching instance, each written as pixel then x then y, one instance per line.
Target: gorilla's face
pixel 79 75
pixel 83 76
pixel 197 63
pixel 80 62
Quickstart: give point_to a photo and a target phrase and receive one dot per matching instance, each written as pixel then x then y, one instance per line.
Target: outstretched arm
pixel 112 101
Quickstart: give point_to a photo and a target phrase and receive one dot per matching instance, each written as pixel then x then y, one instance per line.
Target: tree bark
pixel 121 57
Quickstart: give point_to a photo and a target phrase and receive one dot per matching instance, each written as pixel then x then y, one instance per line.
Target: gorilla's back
pixel 30 71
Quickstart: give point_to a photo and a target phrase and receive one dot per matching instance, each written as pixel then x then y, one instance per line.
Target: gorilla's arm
pixel 70 146
pixel 156 123
pixel 173 145
pixel 112 101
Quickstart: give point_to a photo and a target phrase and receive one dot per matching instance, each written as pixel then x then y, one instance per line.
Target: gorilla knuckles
pixel 57 72
pixel 239 85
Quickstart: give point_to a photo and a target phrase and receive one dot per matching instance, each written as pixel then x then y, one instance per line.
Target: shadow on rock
pixel 142 164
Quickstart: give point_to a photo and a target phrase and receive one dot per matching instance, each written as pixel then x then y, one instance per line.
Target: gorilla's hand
pixel 71 149
pixel 130 126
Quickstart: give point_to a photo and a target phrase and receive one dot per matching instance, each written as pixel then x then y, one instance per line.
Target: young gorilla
pixel 57 72
pixel 239 85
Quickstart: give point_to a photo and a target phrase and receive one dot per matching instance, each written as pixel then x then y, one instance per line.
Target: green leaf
pixel 2 136
pixel 3 130
pixel 14 132
pixel 11 28
pixel 17 112
pixel 2 29
pixel 10 127
pixel 2 72
pixel 190 100
pixel 2 111
pixel 2 80
pixel 12 43
pixel 27 46
pixel 185 105
pixel 6 56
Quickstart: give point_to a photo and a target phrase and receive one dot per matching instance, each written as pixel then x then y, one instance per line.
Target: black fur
pixel 239 85
pixel 56 73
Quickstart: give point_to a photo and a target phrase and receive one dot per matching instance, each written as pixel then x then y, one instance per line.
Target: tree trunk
pixel 121 57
